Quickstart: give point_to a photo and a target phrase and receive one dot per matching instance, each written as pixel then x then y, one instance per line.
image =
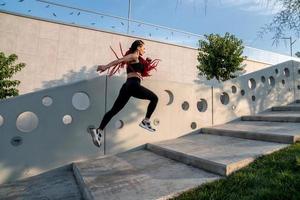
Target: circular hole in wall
pixel 202 105
pixel 271 81
pixel 81 101
pixel 193 125
pixel 242 92
pixel 1 120
pixel 298 71
pixel 156 122
pixel 263 79
pixel 171 97
pixel 251 83
pixel 286 72
pixel 276 71
pixel 253 98
pixel 67 119
pixel 16 141
pixel 27 122
pixel 119 124
pixel 185 105
pixel 233 89
pixel 224 98
pixel 47 101
pixel 283 82
pixel 298 87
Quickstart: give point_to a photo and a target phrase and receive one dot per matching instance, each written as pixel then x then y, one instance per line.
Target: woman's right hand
pixel 101 68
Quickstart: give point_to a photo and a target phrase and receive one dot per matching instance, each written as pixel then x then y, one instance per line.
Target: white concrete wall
pixel 56 54
pixel 52 143
pixel 31 145
pixel 259 98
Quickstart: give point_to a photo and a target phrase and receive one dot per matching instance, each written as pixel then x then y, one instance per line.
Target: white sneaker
pixel 146 125
pixel 96 135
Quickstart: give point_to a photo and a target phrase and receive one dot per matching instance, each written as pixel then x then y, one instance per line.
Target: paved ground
pixel 54 185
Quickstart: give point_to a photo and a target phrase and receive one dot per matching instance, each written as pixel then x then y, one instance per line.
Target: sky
pixel 243 18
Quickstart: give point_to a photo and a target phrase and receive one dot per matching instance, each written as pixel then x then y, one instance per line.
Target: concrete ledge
pixel 286 108
pixel 189 159
pixel 287 139
pixel 270 118
pixel 218 154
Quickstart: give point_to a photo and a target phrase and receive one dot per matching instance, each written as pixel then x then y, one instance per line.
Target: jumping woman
pixel 136 67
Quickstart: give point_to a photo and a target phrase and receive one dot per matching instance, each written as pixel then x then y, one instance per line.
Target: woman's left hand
pixel 148 59
pixel 101 68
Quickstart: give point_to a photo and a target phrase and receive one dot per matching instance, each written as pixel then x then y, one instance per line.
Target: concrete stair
pixel 274 116
pixel 287 113
pixel 269 126
pixel 258 130
pixel 291 107
pixel 137 175
pixel 165 169
pixel 218 154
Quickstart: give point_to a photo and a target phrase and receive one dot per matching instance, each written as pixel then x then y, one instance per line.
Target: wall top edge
pixel 90 28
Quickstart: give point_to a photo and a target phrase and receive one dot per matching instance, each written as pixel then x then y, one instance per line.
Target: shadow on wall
pixel 66 142
pixel 72 76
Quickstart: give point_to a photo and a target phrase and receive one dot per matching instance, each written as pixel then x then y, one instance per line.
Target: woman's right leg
pixel 144 93
pixel 120 102
pixel 141 92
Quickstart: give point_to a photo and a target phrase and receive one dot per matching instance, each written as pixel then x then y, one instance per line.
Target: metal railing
pixel 116 24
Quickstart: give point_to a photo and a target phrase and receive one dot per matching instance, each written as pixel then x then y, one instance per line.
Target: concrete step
pixel 297 101
pixel 137 175
pixel 286 108
pixel 218 154
pixel 55 184
pixel 258 130
pixel 290 107
pixel 274 116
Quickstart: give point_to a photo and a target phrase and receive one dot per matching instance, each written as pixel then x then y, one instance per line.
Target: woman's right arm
pixel 126 59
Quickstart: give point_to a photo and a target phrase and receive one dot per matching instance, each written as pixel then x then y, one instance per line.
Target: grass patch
pixel 272 177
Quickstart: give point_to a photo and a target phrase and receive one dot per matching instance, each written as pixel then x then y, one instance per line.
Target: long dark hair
pixel 149 65
pixel 134 46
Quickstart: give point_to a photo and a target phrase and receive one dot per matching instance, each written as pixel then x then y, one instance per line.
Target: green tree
pixel 220 57
pixel 7 70
pixel 297 54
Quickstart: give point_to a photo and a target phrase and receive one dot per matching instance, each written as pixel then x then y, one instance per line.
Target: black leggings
pixel 132 87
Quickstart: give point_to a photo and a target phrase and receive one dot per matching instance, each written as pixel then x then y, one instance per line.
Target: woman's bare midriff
pixel 134 74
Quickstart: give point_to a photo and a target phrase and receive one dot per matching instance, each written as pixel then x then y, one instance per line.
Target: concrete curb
pixel 84 190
